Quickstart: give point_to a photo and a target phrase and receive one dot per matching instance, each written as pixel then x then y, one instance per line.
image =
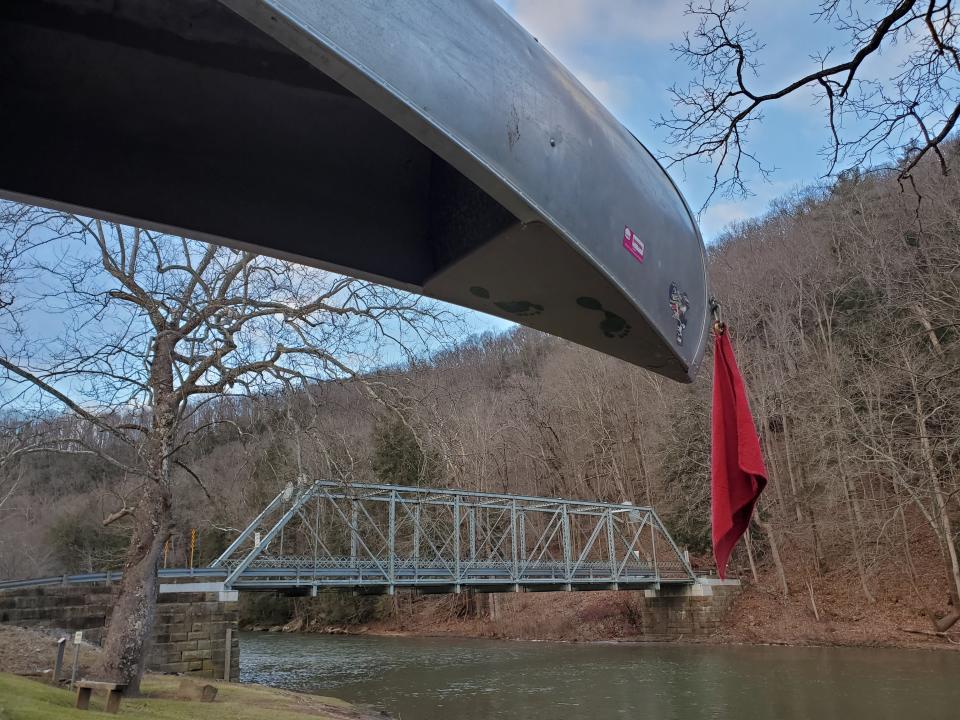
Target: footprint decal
pixel 520 308
pixel 612 325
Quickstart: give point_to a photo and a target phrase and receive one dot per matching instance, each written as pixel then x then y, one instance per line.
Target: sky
pixel 620 50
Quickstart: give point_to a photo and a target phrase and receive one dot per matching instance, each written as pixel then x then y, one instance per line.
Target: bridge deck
pixel 425 579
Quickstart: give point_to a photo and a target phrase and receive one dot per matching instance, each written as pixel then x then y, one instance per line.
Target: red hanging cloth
pixel 738 472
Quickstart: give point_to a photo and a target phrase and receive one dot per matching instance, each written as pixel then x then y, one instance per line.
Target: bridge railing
pixel 109 576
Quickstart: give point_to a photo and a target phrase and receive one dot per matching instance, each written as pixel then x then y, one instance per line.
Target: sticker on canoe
pixel 633 243
pixel 679 304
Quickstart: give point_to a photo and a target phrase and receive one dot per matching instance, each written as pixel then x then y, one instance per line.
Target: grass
pixel 26 699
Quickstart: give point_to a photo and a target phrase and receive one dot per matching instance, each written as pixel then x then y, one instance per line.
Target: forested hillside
pixel 844 308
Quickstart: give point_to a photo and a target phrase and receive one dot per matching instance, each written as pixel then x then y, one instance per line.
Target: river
pixel 420 678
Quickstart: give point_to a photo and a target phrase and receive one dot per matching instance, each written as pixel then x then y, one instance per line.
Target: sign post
pixel 58 664
pixel 77 639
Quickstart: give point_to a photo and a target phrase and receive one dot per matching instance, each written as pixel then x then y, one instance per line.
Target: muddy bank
pixel 757 616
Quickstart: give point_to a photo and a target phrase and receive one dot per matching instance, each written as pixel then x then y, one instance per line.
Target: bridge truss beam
pixel 378 538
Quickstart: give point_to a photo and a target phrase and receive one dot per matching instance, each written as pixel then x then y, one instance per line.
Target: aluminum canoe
pixel 433 145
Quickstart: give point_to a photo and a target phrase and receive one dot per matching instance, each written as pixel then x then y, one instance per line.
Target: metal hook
pixel 718 325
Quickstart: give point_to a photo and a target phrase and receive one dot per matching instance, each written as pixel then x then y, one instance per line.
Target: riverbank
pixel 26 657
pixel 839 617
pixel 756 617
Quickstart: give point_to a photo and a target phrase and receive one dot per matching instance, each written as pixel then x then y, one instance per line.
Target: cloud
pixel 605 43
pixel 560 23
pixel 608 91
pixel 719 215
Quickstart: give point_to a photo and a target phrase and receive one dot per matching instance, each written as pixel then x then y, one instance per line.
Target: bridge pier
pixel 688 610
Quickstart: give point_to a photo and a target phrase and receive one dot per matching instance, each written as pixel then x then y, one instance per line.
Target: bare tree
pixel 150 328
pixel 910 113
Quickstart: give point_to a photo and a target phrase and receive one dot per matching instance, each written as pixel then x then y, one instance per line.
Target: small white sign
pixel 256 539
pixel 78 637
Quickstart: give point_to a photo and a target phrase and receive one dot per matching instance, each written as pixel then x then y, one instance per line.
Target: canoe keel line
pixel 431 145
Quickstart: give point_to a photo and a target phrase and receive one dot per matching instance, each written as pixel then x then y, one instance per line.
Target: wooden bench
pixel 85 689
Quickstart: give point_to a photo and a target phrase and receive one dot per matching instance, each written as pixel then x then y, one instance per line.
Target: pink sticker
pixel 633 243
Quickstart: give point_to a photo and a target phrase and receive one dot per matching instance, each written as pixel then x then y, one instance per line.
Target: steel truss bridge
pixel 378 538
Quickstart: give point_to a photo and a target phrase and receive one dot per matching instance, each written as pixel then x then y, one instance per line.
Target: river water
pixel 418 678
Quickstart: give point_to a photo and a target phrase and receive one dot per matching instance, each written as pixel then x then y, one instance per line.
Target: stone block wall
pixel 190 630
pixel 190 635
pixel 68 607
pixel 688 611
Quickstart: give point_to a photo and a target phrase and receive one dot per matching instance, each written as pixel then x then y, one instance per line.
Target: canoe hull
pixel 432 145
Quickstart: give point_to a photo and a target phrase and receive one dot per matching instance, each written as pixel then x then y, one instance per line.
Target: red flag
pixel 739 475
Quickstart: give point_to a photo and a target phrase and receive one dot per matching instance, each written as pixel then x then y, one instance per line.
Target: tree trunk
pixel 753 565
pixel 924 317
pixel 855 539
pixel 853 509
pixel 494 606
pixel 817 545
pixel 943 514
pixel 775 554
pixel 131 623
pixel 813 601
pixel 130 629
pixel 788 455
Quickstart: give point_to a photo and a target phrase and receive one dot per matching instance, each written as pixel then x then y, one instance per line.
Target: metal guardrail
pixel 107 577
pixel 367 576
